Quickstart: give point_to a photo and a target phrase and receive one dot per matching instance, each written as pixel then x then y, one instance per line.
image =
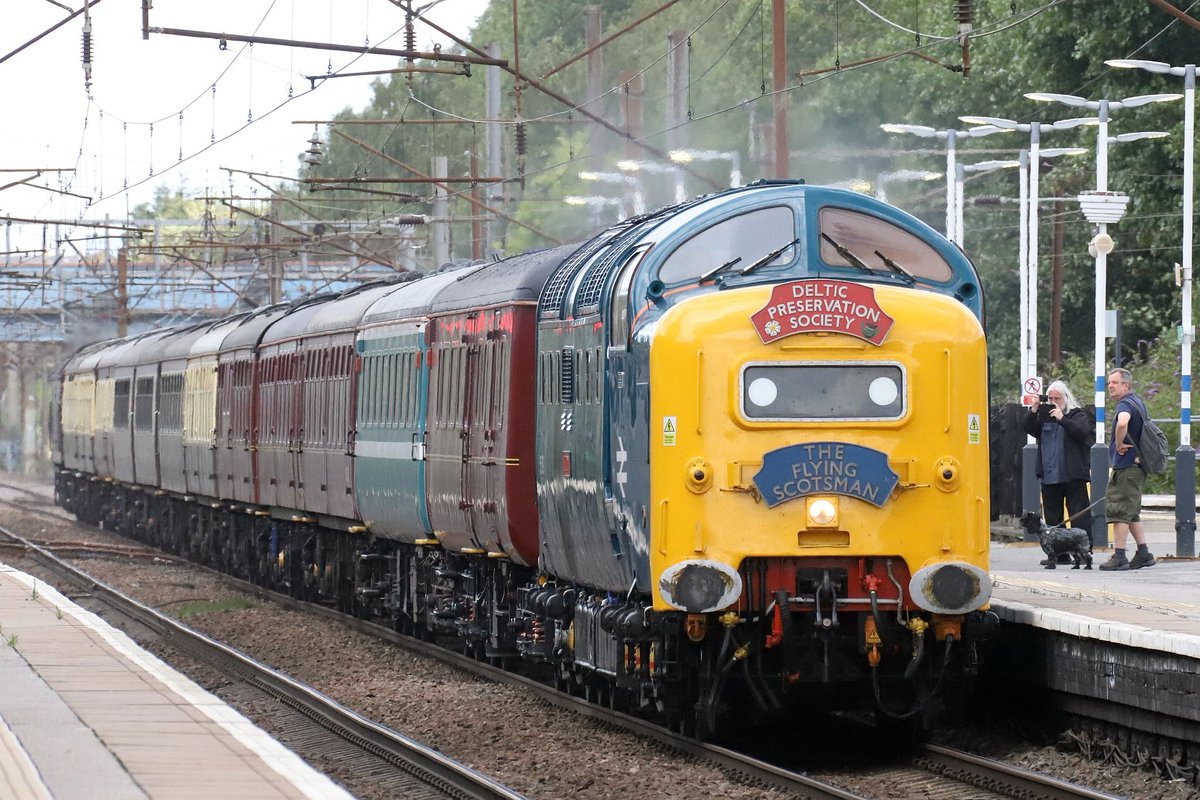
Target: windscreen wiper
pixel 769 257
pixel 908 277
pixel 712 273
pixel 845 253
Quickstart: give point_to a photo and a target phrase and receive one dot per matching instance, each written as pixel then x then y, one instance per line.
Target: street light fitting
pixel 1012 124
pixel 590 200
pixel 1133 137
pixel 1103 243
pixel 1150 66
pixel 984 166
pixel 1054 152
pixel 1081 102
pixel 909 175
pixel 915 130
pixel 607 177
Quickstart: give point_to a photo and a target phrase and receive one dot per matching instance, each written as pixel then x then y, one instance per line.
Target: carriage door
pixel 472 410
pixel 480 478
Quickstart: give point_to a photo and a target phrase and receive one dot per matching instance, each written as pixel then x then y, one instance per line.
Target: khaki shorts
pixel 1123 500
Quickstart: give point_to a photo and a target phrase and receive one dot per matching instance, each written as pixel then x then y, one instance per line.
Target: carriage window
pixel 121 405
pixel 863 234
pixel 823 391
pixel 747 237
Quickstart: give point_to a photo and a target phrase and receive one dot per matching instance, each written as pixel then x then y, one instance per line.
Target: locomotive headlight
pixel 822 512
pixel 762 392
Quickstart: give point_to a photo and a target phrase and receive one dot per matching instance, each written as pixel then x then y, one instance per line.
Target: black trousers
pixel 1075 494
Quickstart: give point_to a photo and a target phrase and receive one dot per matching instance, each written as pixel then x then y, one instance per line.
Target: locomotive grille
pixel 556 288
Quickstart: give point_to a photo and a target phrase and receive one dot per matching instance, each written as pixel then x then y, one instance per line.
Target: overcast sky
pixel 168 80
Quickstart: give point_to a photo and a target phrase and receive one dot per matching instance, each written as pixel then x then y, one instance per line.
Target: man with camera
pixel 1065 432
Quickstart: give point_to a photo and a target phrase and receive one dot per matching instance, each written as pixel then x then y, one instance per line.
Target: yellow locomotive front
pixel 819 485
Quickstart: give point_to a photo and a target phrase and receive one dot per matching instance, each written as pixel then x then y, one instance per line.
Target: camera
pixel 1043 398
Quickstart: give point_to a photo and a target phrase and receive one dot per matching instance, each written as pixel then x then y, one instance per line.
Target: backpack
pixel 1151 445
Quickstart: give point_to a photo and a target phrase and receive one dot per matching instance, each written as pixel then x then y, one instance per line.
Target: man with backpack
pixel 1123 501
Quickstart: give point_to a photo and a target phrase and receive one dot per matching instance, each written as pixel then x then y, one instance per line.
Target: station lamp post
pixel 1027 239
pixel 951 137
pixel 732 156
pixel 1101 207
pixel 1185 456
pixel 1029 225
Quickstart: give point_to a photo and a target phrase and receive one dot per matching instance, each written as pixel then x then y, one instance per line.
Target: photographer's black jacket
pixel 1080 428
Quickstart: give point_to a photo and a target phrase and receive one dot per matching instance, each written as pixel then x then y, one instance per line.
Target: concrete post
pixel 440 224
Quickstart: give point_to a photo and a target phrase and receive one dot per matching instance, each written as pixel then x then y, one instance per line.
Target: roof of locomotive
pixel 807 201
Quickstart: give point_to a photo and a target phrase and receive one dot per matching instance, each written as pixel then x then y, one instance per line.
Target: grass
pixel 190 608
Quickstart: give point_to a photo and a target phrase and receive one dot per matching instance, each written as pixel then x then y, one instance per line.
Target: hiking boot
pixel 1117 561
pixel 1138 561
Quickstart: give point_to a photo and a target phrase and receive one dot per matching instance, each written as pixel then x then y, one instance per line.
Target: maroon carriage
pixel 480 457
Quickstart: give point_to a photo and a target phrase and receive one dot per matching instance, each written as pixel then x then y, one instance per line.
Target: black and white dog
pixel 1056 541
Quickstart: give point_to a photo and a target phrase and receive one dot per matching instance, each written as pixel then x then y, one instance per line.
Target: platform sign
pixel 1030 389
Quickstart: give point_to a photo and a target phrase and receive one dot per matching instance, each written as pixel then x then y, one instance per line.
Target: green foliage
pixel 839 92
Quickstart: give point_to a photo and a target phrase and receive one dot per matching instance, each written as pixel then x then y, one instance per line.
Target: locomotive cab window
pixel 746 237
pixel 825 391
pixel 863 234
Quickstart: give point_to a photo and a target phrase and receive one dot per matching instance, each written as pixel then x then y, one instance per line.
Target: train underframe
pixel 808 635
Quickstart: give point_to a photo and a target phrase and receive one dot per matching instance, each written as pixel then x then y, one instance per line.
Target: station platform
pixel 1118 648
pixel 1158 606
pixel 86 713
pixel 1165 596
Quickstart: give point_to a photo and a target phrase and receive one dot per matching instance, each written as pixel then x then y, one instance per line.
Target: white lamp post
pixel 951 136
pixel 732 156
pixel 1185 456
pixel 1103 109
pixel 960 171
pixel 1029 225
pixel 653 167
pixel 1101 207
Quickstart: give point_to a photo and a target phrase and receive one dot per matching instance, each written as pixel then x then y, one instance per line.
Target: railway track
pixel 402 767
pixel 933 772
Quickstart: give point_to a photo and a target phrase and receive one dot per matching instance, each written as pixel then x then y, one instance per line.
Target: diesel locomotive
pixel 726 458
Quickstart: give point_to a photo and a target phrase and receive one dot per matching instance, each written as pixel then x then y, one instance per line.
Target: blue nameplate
pixel 825 468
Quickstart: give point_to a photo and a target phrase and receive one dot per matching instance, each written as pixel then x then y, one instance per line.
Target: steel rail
pixel 999 777
pixel 424 763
